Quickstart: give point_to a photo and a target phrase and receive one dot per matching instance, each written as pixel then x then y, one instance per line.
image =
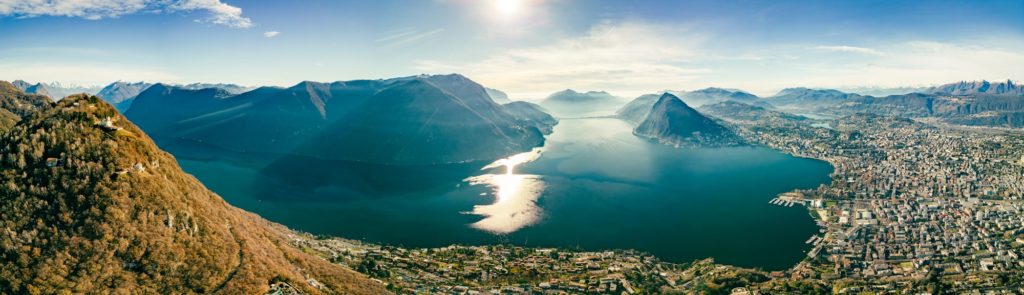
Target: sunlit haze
pixel 528 48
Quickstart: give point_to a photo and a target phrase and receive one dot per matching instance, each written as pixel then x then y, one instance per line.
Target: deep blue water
pixel 594 186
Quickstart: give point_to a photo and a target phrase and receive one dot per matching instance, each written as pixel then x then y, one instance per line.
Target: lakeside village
pixel 911 208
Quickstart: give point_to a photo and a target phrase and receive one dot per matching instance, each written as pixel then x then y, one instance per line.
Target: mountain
pixel 120 94
pixel 809 99
pixel 569 103
pixel 230 88
pixel 977 88
pixel 716 95
pixel 970 109
pixel 636 110
pixel 54 90
pixel 532 113
pixel 90 206
pixel 673 122
pixel 38 88
pixel 739 111
pixel 497 95
pixel 403 121
pixel 16 105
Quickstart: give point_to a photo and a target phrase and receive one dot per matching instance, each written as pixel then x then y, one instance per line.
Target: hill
pixel 92 204
pixel 16 105
pixel 673 122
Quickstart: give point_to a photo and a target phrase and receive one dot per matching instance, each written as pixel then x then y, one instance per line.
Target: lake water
pixel 593 186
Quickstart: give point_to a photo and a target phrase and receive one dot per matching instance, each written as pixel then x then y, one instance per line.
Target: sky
pixel 528 48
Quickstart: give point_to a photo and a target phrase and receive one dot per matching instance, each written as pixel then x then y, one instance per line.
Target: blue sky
pixel 527 47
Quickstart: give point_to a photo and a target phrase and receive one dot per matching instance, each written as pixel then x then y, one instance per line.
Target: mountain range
pixel 715 95
pixel 977 88
pixel 122 94
pixel 807 98
pixel 417 120
pixel 90 203
pixel 54 90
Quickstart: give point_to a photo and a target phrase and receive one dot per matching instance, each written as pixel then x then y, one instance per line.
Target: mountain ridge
pixel 99 206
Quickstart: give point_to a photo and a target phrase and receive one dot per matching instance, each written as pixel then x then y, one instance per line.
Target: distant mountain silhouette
pixel 977 88
pixel 716 95
pixel 498 96
pixel 673 122
pixel 807 99
pixel 569 103
pixel 120 94
pixel 636 110
pixel 38 88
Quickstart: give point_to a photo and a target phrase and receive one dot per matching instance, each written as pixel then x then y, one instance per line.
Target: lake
pixel 593 186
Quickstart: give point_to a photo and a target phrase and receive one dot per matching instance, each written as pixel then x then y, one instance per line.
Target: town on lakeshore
pixel 912 208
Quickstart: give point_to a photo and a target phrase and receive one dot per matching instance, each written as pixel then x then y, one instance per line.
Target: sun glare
pixel 508 7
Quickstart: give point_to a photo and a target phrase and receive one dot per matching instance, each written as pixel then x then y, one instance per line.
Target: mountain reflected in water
pixel 515 196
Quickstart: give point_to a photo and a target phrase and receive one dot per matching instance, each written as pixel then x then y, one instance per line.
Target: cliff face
pixel 91 204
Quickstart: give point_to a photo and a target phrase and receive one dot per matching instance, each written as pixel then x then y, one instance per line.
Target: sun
pixel 508 7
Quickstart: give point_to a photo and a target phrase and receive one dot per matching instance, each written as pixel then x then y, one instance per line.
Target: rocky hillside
pixel 91 204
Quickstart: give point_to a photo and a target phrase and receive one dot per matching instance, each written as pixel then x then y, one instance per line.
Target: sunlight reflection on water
pixel 515 196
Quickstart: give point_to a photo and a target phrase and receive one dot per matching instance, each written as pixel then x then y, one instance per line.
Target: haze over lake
pixel 593 186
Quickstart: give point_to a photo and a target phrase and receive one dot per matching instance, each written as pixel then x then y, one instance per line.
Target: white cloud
pixel 271 34
pixel 629 58
pixel 849 49
pixel 219 12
